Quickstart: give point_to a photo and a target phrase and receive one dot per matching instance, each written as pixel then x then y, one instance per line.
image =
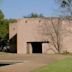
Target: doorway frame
pixel 29 46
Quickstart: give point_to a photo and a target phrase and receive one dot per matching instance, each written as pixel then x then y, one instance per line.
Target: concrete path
pixel 26 63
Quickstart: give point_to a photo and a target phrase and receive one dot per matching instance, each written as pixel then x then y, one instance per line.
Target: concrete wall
pixel 12 30
pixel 31 30
pixel 67 35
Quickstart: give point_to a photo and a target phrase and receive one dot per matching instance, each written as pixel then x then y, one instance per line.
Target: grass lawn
pixel 59 66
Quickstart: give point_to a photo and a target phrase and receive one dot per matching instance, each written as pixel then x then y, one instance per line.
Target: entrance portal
pixel 36 47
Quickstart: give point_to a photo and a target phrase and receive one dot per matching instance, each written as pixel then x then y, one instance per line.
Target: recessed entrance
pixel 36 47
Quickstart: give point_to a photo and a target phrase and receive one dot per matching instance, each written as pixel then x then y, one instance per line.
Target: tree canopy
pixel 33 15
pixel 66 5
pixel 4 25
pixel 1 15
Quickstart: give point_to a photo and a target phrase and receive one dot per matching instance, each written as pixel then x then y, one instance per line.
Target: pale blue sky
pixel 20 8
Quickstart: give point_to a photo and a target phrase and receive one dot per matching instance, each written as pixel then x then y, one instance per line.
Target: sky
pixel 21 8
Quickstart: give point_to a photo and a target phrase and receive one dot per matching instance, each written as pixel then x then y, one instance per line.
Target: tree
pixel 4 30
pixel 34 15
pixel 1 15
pixel 53 31
pixel 66 5
pixel 4 25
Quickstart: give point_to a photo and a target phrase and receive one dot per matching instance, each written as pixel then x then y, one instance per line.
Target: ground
pixel 26 63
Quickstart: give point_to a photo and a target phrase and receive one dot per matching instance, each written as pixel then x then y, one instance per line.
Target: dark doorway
pixel 13 44
pixel 36 47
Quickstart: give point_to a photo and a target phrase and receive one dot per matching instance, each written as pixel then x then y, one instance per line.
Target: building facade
pixel 41 35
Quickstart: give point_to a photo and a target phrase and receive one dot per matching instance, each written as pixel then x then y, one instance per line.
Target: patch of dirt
pixel 29 62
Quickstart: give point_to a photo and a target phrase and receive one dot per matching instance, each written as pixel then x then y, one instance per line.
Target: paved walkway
pixel 26 63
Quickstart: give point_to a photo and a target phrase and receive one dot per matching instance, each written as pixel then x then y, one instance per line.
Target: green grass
pixel 59 66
